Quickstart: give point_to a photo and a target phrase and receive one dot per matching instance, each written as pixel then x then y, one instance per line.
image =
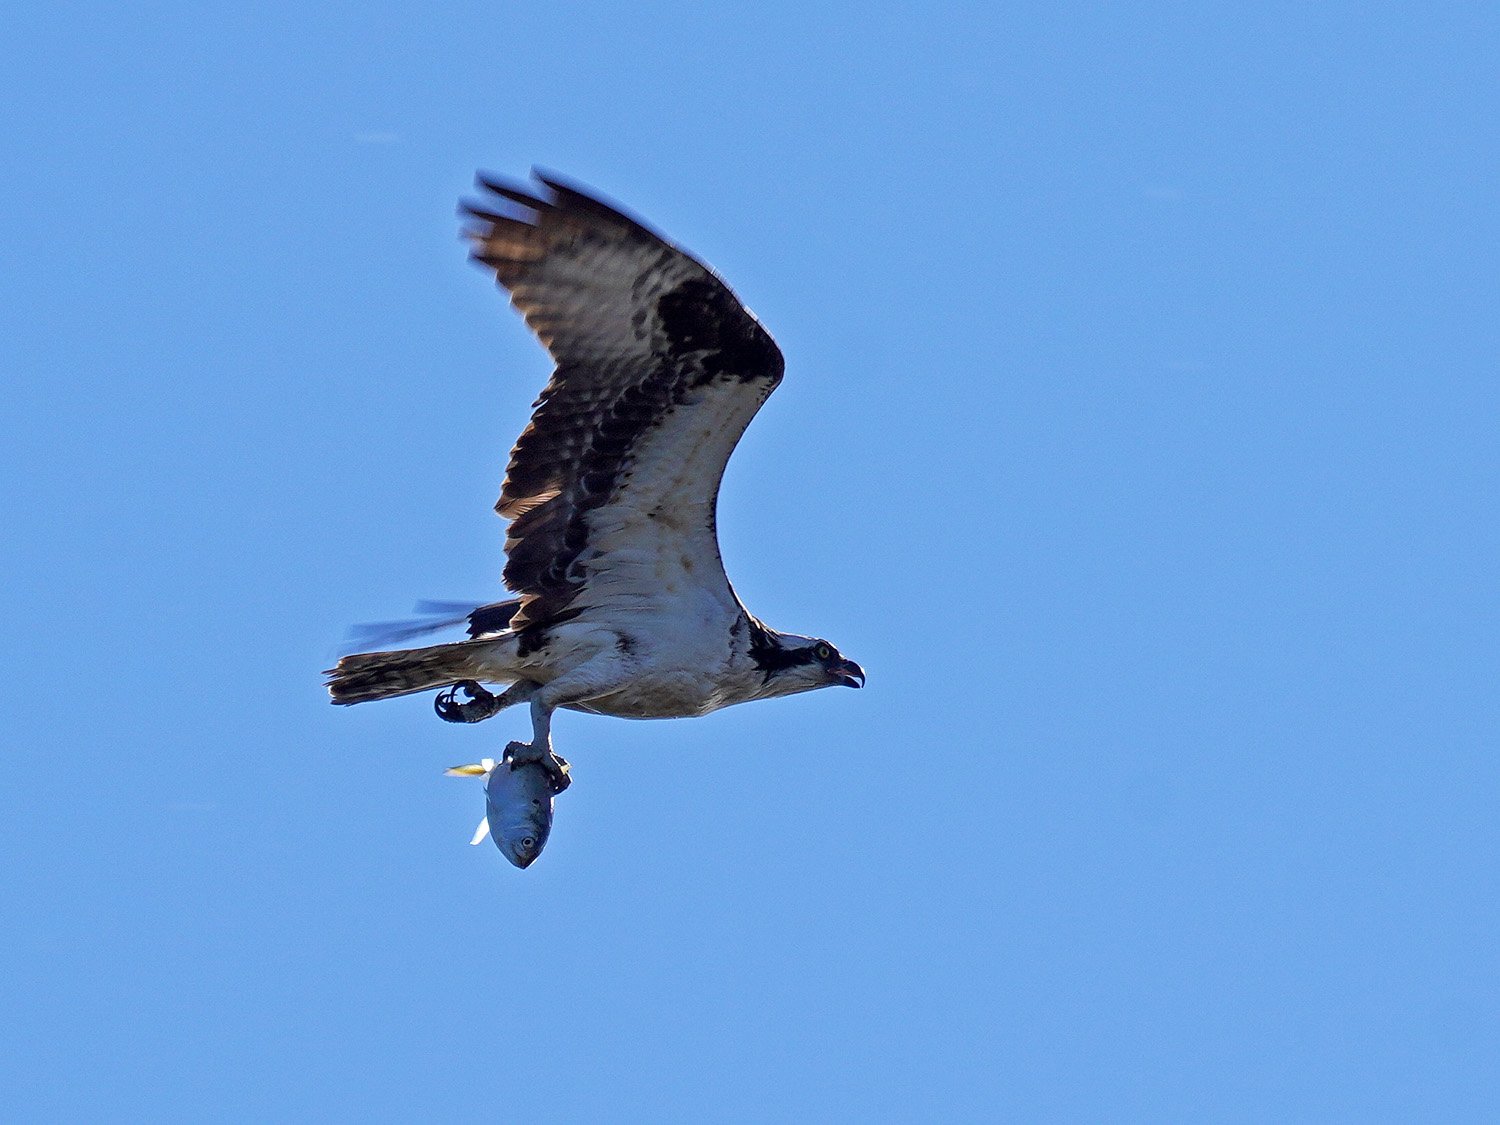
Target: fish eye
pixel 822 652
pixel 536 802
pixel 528 842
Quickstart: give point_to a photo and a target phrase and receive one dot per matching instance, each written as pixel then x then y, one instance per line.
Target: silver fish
pixel 517 805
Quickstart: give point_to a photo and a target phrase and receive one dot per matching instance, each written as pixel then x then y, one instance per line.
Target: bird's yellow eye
pixel 822 652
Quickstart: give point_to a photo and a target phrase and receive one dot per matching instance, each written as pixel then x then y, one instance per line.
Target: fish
pixel 517 806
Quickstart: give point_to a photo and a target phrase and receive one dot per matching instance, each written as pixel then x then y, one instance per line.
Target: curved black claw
pixel 559 773
pixel 479 705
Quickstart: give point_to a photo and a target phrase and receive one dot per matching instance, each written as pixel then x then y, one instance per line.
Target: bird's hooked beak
pixel 848 673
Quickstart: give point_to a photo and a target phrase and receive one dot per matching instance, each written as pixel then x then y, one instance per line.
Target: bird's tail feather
pixel 385 675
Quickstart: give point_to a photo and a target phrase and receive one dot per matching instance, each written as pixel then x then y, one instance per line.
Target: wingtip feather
pixel 511 190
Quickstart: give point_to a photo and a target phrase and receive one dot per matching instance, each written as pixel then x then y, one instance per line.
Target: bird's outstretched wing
pixel 611 489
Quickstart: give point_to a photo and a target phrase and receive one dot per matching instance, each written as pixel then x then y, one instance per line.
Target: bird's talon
pixel 559 773
pixel 479 705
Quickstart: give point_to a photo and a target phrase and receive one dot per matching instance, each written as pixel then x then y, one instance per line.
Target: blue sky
pixel 1138 437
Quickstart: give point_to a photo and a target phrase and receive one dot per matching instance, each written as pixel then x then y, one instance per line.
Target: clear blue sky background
pixel 1139 437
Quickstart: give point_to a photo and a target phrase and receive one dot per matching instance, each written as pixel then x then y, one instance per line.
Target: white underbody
pixel 641 665
pixel 659 632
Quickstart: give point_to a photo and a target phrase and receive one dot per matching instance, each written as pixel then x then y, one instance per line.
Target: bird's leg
pixel 608 672
pixel 539 749
pixel 480 704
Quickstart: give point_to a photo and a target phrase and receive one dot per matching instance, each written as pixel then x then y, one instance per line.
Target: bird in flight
pixel 621 604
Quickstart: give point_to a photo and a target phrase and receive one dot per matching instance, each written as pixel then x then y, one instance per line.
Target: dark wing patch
pixel 493 618
pixel 703 316
pixel 637 328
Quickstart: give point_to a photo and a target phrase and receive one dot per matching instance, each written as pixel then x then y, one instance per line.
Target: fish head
pixel 518 806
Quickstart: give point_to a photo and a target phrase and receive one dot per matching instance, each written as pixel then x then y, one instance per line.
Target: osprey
pixel 623 607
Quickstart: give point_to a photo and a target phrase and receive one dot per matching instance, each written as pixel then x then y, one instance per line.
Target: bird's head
pixel 795 664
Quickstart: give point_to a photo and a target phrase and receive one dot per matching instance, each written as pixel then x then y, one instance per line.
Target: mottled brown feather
pixel 639 331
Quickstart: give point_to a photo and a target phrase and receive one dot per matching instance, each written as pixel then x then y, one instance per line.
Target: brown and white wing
pixel 611 489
